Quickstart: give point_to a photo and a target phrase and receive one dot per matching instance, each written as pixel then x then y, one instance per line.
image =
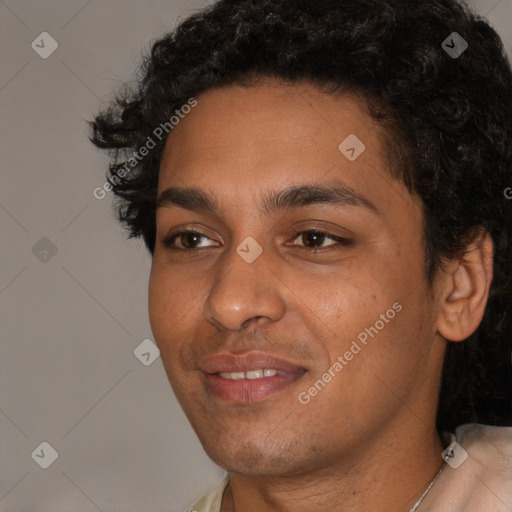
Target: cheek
pixel 378 312
pixel 171 293
pixel 347 299
pixel 169 302
pixel 157 304
pixel 165 312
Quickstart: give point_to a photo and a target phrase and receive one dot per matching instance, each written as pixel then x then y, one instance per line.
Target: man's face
pixel 307 299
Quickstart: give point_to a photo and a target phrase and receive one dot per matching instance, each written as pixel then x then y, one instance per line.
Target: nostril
pixel 253 320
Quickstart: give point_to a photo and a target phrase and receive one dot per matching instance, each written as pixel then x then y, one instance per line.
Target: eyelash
pixel 168 241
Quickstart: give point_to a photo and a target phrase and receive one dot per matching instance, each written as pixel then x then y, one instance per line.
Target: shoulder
pixel 212 500
pixel 478 478
pixel 489 446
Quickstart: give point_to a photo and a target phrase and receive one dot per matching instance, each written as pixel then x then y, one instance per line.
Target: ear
pixel 465 284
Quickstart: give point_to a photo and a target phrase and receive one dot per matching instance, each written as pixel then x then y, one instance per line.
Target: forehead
pixel 270 113
pixel 244 139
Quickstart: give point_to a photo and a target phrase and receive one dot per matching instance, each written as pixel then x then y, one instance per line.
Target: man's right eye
pixel 188 240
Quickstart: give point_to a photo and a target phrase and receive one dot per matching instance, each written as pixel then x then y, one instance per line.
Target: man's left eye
pixel 314 238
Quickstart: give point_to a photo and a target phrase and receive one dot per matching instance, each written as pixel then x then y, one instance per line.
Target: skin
pixel 367 440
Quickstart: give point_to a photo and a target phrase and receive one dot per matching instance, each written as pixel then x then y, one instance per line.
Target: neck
pixel 388 474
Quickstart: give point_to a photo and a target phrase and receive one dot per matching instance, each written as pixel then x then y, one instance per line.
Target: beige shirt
pixel 481 483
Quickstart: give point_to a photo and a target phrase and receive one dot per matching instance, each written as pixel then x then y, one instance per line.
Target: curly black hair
pixel 447 121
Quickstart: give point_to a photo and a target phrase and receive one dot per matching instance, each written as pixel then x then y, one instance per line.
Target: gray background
pixel 70 321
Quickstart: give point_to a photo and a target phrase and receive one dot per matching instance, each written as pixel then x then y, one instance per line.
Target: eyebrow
pixel 289 198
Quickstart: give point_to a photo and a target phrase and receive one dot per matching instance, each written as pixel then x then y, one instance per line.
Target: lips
pixel 219 369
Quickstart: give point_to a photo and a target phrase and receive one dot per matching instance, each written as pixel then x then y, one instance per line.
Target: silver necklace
pixel 417 504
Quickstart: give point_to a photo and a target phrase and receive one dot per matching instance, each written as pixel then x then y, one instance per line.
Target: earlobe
pixel 465 283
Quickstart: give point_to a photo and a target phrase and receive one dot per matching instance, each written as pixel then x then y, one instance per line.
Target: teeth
pixel 254 374
pixel 251 374
pixel 233 375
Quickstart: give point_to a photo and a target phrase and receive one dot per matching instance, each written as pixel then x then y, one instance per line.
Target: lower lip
pixel 249 390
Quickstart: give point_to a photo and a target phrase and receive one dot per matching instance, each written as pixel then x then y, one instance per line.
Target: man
pixel 330 240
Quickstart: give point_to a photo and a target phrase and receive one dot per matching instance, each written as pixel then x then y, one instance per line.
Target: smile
pixel 251 374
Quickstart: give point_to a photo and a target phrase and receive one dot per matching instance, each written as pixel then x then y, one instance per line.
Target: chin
pixel 252 459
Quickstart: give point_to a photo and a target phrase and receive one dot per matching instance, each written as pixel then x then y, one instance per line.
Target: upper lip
pixel 228 362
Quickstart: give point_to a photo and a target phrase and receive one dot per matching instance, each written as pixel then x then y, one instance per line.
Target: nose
pixel 244 293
